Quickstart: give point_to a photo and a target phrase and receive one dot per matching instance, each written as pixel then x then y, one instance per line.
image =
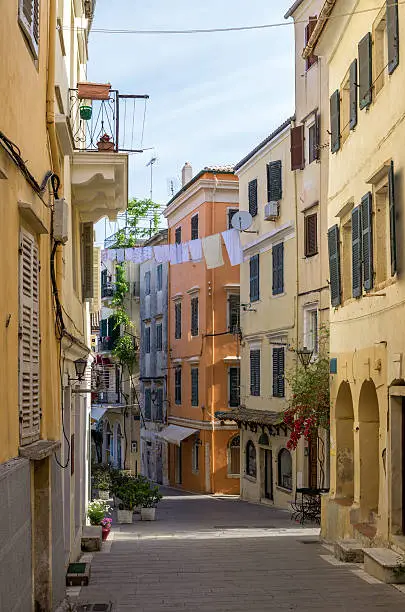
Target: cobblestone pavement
pixel 217 554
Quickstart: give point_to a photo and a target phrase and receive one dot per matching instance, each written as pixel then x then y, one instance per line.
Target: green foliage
pixel 150 495
pixel 101 477
pixel 129 494
pixel 138 212
pixel 96 511
pixel 124 350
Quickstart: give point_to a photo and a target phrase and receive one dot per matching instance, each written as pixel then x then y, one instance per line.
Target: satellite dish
pixel 242 220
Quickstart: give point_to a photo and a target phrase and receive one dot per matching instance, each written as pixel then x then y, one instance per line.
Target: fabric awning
pixel 174 434
pixel 97 413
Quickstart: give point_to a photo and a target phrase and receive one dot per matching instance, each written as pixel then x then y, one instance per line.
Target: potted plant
pixel 150 497
pixel 96 511
pixel 128 494
pixel 102 481
pixel 105 527
pixel 105 143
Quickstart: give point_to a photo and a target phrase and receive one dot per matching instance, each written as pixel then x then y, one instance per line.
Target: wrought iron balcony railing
pixel 106 397
pixel 107 290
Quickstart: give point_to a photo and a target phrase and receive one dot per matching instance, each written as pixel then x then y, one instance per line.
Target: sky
pixel 213 97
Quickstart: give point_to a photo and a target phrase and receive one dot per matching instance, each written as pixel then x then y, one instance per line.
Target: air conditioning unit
pixel 271 211
pixel 61 220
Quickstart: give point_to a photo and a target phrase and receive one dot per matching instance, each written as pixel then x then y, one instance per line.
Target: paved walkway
pixel 217 554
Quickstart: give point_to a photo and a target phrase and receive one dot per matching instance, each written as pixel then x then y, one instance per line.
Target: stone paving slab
pixel 181 563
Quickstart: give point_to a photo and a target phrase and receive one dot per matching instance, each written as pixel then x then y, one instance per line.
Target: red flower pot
pixel 105 531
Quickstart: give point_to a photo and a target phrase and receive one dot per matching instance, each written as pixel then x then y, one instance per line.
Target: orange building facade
pixel 203 343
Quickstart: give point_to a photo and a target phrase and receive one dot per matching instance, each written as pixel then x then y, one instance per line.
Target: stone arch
pixel 369 444
pixel 344 417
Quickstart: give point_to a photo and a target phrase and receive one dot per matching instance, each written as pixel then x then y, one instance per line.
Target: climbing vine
pixel 137 212
pixel 118 300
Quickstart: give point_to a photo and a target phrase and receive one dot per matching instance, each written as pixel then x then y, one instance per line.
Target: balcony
pixel 106 344
pixel 107 290
pixel 106 397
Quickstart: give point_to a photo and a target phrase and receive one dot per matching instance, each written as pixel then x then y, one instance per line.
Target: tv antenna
pixel 242 220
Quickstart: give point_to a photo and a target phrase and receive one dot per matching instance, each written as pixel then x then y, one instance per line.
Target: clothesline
pixel 208 248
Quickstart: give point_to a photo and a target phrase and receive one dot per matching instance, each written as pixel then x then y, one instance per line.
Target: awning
pixel 174 434
pixel 97 413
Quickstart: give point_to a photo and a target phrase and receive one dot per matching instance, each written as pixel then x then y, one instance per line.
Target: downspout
pixel 50 90
pixel 213 342
pixel 297 289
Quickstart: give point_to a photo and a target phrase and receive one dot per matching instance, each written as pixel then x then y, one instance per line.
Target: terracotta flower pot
pixel 93 91
pixel 104 533
pixel 105 146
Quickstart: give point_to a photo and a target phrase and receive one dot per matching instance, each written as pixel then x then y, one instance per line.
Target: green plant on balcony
pixel 137 212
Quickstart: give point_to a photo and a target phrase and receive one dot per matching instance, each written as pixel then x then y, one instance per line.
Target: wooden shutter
pixel 274 181
pixel 316 153
pixel 178 235
pixel 297 147
pixel 356 253
pixel 177 324
pixel 87 265
pixel 159 277
pixel 311 234
pixel 147 283
pixel 159 337
pixel 147 339
pixel 194 316
pixel 335 121
pixel 365 71
pixel 393 238
pixel 194 386
pixel 103 328
pixel 159 404
pixel 234 313
pixel 278 372
pixel 254 278
pixel 278 268
pixel 234 387
pixel 255 372
pixel 252 194
pixel 194 227
pixel 392 35
pixel 114 330
pixel 334 265
pixel 367 240
pixel 177 385
pixel 353 94
pixel 28 17
pixel 309 28
pixel 148 404
pixel 29 341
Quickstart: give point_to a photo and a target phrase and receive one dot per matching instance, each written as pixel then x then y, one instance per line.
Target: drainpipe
pixel 50 90
pixel 213 342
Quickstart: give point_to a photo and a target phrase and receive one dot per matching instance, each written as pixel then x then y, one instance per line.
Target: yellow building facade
pixel 366 72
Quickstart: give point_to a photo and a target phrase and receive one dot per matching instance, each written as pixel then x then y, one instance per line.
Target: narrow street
pixel 218 554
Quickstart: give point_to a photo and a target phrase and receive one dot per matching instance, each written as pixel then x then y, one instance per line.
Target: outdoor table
pixel 307 505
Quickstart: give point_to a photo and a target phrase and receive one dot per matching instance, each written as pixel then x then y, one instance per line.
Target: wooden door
pixel 268 474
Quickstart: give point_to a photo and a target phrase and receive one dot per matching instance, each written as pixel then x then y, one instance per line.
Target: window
pixel 311 329
pixel 255 372
pixel 234 456
pixel 29 340
pixel 148 404
pixel 159 404
pixel 28 18
pixel 345 109
pixel 177 385
pixel 194 316
pixel 250 459
pixel 147 283
pixel 177 320
pixel 254 278
pixel 195 456
pixel 380 56
pixel 309 28
pixel 252 195
pixel 147 339
pixel 159 277
pixel 278 372
pixel 234 387
pixel 278 268
pixel 311 234
pixel 159 337
pixel 234 313
pixel 274 181
pixel 297 147
pixel 231 213
pixel 194 227
pixel 392 35
pixel 284 462
pixel 194 387
pixel 177 235
pixel 313 140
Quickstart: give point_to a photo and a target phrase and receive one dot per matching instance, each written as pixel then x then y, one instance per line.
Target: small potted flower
pixel 150 497
pixel 105 527
pixel 105 143
pixel 96 511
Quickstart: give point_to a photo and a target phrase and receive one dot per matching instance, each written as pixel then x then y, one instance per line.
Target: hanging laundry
pixel 120 255
pixel 162 253
pixel 195 249
pixel 147 253
pixel 185 253
pixel 212 247
pixel 104 255
pixel 233 246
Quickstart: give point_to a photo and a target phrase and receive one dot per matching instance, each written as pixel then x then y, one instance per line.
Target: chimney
pixel 186 173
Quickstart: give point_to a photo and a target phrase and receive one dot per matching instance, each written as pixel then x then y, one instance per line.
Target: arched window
pixel 234 456
pixel 285 469
pixel 251 459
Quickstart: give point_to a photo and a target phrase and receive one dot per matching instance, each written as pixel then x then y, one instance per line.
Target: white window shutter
pixel 29 342
pixel 87 263
pixel 28 17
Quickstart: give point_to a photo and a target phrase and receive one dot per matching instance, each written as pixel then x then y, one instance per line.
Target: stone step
pixel 385 564
pixel 349 551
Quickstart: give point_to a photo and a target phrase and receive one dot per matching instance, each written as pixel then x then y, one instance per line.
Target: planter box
pixel 105 146
pixel 91 538
pixel 93 91
pixel 78 574
pixel 124 517
pixel 148 514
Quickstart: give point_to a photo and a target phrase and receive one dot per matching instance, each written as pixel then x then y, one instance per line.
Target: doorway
pixel 178 464
pixel 268 474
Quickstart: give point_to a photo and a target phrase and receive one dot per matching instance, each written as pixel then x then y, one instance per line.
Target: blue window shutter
pixel 356 253
pixel 393 238
pixel 334 265
pixel 254 278
pixel 365 71
pixel 367 240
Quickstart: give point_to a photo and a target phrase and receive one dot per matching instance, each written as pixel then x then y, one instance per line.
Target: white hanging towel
pixel 120 255
pixel 185 254
pixel 233 246
pixel 104 255
pixel 212 247
pixel 147 253
pixel 162 253
pixel 175 253
pixel 195 249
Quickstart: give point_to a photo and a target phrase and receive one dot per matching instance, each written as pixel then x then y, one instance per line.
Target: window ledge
pixel 233 476
pixel 284 490
pixel 312 255
pixel 249 478
pixel 39 450
pixel 278 295
pixel 381 173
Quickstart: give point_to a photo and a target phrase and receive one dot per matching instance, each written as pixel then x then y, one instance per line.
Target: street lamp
pixel 305 356
pixel 80 367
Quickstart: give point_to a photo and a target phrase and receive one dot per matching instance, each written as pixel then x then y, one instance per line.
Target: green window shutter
pixel 194 316
pixel 393 239
pixel 103 328
pixel 252 194
pixel 367 240
pixel 234 387
pixel 353 94
pixel 194 386
pixel 278 372
pixel 114 330
pixel 278 268
pixel 177 385
pixel 274 181
pixel 317 150
pixel 334 265
pixel 255 372
pixel 254 278
pixel 335 121
pixel 177 317
pixel 365 71
pixel 392 35
pixel 148 405
pixel 356 252
pixel 234 313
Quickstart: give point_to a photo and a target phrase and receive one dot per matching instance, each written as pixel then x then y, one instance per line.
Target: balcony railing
pixel 107 290
pixel 106 344
pixel 107 121
pixel 106 397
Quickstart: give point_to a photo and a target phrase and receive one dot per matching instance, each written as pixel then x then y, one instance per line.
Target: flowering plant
pixel 96 511
pixel 106 523
pixel 105 138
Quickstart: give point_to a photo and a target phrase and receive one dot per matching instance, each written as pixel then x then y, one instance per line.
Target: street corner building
pixel 203 336
pixel 53 187
pixel 366 73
